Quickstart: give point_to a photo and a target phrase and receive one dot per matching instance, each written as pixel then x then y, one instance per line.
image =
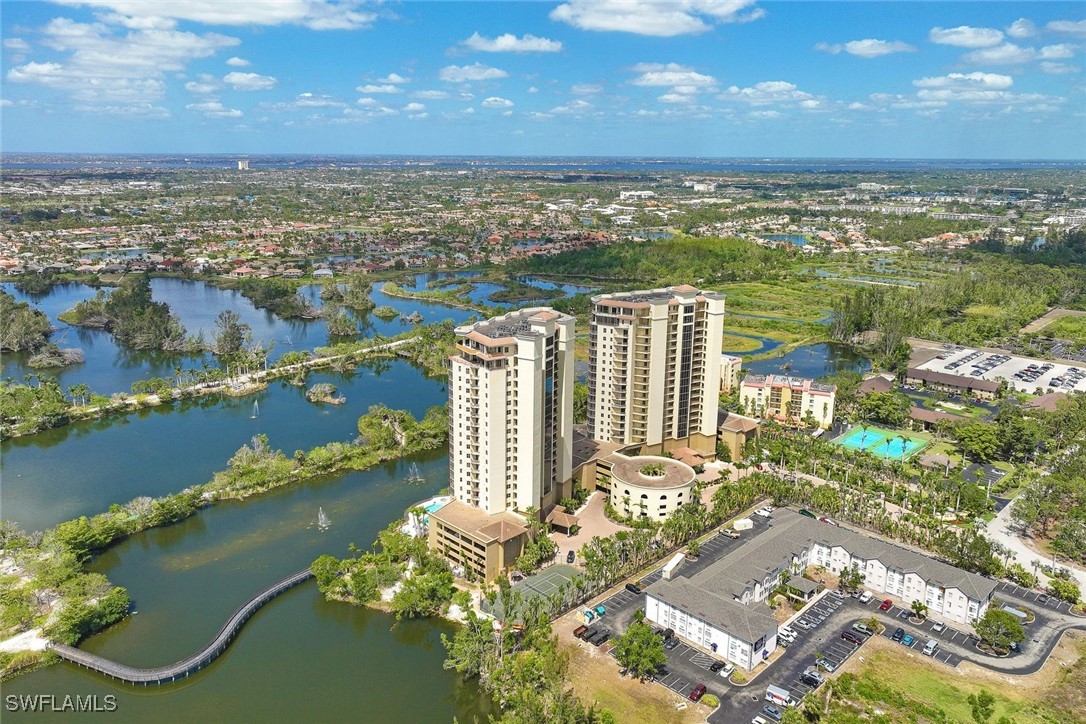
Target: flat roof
pixel 499 527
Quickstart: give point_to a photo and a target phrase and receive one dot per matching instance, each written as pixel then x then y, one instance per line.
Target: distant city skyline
pixel 621 78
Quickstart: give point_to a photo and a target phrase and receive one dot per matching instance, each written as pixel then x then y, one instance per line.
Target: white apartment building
pixel 795 542
pixel 789 399
pixel 654 368
pixel 511 410
pixel 731 367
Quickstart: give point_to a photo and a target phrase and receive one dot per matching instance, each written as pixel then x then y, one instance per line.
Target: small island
pixel 386 313
pixel 324 392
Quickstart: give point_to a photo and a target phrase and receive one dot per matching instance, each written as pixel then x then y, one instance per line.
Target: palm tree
pixel 919 608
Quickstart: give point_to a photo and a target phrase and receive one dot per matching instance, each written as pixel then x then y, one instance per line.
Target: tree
pixel 978 439
pixel 580 402
pixel 231 334
pixel 1064 590
pixel 851 578
pixel 999 629
pixel 983 705
pixel 919 608
pixel 639 650
pixel 890 408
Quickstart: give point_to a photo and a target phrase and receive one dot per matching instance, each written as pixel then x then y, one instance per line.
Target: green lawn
pixel 1070 328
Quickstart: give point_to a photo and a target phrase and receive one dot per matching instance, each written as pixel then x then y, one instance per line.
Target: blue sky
pixel 580 77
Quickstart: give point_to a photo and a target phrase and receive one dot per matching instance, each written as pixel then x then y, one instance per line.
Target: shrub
pixel 710 701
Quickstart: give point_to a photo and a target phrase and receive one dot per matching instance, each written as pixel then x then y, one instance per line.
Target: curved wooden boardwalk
pixel 181 669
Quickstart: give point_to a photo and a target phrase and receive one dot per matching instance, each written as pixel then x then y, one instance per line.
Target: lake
pixel 110 367
pixel 814 361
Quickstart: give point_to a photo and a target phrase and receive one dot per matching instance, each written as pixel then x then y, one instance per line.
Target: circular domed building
pixel 649 486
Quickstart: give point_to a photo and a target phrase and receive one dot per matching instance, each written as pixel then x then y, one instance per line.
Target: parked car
pixel 697 693
pixel 1042 599
pixel 666 633
pixel 885 605
pixel 865 596
pixel 930 647
pixel 939 627
pixel 671 643
pixel 773 712
pixel 603 639
pixel 862 628
pixel 852 638
pixel 758 720
pixel 803 624
pixel 570 557
pixel 825 665
pixel 908 640
pixel 899 633
pixel 811 677
pixel 763 513
pixel 633 588
pixel 786 633
pixel 716 666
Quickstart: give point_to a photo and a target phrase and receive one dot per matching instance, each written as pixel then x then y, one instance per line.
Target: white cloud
pixel 473 72
pixel 765 114
pixel 1011 54
pixel 385 88
pixel 130 110
pixel 533 89
pixel 204 83
pixel 414 107
pixel 509 43
pixel 432 95
pixel 214 109
pixel 584 89
pixel 671 74
pixel 103 68
pixel 1022 28
pixel 965 36
pixel 1075 27
pixel 988 81
pixel 677 98
pixel 16 44
pixel 418 116
pixel 369 112
pixel 1058 68
pixel 767 92
pixel 305 101
pixel 577 106
pixel 394 78
pixel 661 18
pixel 496 102
pixel 867 48
pixel 368 102
pixel 249 81
pixel 313 14
pixel 237 62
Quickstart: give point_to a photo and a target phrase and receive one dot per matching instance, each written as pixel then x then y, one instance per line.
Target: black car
pixel 602 639
pixel 716 666
pixel 570 557
pixel 633 588
pixel 898 634
pixel 809 680
pixel 671 643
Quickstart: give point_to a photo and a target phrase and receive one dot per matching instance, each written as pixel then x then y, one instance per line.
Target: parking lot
pixel 1021 373
pixel 1034 598
pixel 897 617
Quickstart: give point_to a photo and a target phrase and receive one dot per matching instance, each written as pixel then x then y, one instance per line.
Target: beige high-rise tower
pixel 511 411
pixel 654 374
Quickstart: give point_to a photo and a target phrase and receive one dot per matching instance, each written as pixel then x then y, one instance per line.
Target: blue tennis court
pixel 882 443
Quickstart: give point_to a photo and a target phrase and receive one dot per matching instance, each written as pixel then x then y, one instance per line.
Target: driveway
pixel 593 522
pixel 1000 530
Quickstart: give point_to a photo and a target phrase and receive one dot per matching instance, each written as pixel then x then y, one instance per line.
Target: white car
pixel 865 596
pixel 787 634
pixel 758 720
pixel 764 513
pixel 727 670
pixel 939 627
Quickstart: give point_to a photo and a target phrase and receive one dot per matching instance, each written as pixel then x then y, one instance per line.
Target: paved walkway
pixel 1001 530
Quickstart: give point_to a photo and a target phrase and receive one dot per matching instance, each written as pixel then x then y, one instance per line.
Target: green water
pixel 300 658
